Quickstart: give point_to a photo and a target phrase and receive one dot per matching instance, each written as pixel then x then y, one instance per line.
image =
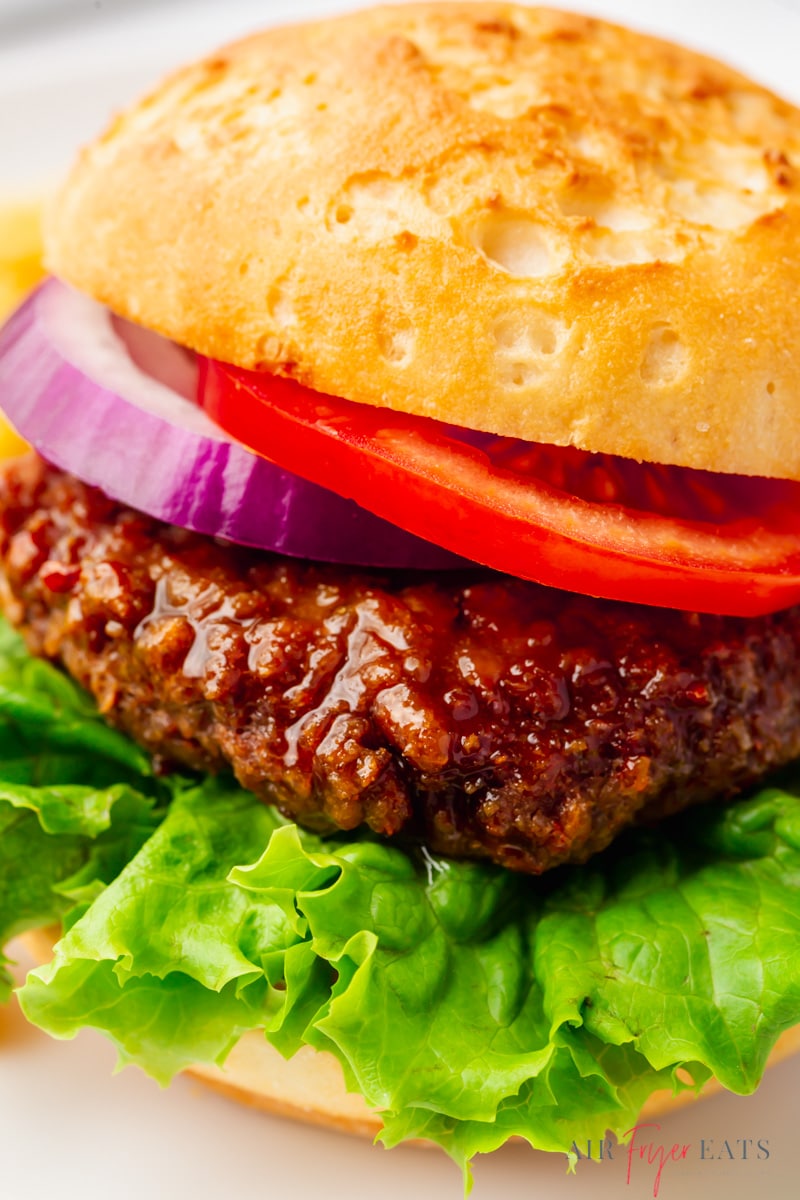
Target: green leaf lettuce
pixel 76 800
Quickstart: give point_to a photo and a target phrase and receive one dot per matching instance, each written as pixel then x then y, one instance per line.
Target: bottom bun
pixel 310 1086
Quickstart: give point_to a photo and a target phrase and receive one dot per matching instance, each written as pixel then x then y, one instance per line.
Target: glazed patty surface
pixel 477 714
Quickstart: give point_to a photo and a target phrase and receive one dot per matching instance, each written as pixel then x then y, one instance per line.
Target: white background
pixel 67 1127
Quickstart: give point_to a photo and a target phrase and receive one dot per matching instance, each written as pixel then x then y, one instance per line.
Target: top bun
pixel 508 218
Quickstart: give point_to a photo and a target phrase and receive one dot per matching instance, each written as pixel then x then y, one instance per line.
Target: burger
pixel 401 671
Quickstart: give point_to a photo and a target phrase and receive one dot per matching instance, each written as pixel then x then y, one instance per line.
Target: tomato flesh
pixel 588 523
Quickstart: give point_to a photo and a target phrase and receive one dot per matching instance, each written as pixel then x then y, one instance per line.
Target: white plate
pixel 68 1128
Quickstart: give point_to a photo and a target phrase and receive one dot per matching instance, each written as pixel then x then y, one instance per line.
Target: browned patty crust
pixel 481 715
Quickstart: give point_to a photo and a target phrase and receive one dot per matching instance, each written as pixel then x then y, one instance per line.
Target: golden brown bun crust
pixel 310 1086
pixel 508 218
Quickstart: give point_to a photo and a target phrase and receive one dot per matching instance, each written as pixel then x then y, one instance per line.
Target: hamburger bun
pixel 510 219
pixel 310 1086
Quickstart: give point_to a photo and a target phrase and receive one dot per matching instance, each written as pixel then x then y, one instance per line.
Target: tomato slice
pixel 589 523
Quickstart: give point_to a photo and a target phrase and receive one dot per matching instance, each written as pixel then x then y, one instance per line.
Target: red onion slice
pixel 73 383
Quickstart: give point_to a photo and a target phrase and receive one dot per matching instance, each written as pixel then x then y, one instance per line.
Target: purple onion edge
pixel 84 428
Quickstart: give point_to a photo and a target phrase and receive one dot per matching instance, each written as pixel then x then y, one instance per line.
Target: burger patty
pixel 477 714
